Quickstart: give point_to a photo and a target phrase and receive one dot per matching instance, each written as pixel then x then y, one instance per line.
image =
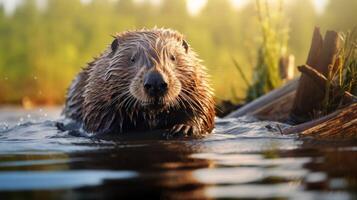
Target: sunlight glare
pixel 238 4
pixel 9 6
pixel 86 1
pixel 320 5
pixel 195 6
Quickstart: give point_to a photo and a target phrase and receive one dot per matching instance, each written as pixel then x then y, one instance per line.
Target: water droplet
pixel 28 116
pixel 6 78
pixel 21 119
pixel 35 78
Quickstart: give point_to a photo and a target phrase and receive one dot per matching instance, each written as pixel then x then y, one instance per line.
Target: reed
pixel 274 37
pixel 344 71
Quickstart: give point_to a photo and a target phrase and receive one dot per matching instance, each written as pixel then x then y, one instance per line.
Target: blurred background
pixel 44 43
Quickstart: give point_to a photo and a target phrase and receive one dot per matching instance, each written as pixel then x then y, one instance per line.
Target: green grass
pixel 273 46
pixel 345 74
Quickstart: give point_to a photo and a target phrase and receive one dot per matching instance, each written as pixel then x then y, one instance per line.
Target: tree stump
pixel 309 96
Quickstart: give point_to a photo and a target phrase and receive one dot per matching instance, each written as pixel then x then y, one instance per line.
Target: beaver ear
pixel 185 45
pixel 115 45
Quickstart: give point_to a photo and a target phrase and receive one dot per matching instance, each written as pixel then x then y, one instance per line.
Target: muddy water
pixel 243 159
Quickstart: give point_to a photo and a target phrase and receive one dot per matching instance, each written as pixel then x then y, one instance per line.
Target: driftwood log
pixel 339 124
pixel 274 106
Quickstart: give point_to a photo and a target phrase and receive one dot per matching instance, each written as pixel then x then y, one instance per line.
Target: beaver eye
pixel 132 59
pixel 172 57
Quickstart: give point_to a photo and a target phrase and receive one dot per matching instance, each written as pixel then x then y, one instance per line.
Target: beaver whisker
pixel 120 96
pixel 186 99
pixel 181 103
pixel 159 102
pixel 130 104
pixel 135 105
pixel 193 104
pixel 175 104
pixel 120 105
pixel 124 101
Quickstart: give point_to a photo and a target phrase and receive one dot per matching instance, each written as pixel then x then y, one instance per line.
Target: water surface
pixel 243 159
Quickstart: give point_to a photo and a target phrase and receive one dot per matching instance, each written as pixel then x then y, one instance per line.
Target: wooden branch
pixel 339 124
pixel 321 81
pixel 274 105
pixel 277 110
pixel 307 125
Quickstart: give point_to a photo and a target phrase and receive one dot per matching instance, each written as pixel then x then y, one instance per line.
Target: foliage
pixel 41 49
pixel 347 72
pixel 344 73
pixel 266 76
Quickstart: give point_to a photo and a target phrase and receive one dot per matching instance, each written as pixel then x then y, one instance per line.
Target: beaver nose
pixel 154 84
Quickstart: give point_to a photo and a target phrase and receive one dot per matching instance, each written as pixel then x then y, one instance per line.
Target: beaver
pixel 146 79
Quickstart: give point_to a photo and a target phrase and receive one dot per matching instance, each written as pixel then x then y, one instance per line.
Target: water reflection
pixel 248 161
pixel 332 167
pixel 165 170
pixel 49 180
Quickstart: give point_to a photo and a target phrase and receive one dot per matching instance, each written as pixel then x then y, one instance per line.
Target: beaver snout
pixel 155 84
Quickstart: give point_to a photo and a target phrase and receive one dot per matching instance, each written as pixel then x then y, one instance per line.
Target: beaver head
pixel 151 67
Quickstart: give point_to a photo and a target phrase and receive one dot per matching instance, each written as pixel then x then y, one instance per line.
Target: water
pixel 243 159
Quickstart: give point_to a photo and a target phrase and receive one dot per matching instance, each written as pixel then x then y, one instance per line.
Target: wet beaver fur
pixel 146 80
